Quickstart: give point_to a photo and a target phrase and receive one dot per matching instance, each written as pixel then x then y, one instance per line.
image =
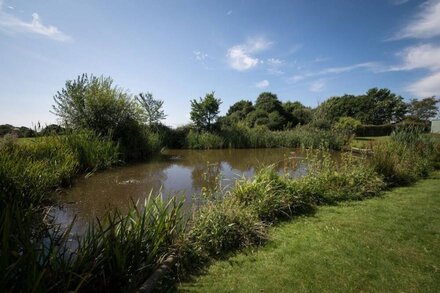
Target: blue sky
pixel 179 50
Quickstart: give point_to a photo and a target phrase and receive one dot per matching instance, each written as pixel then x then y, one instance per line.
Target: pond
pixel 173 173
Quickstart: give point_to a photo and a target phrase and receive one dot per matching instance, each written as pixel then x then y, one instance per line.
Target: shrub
pixel 223 226
pixel 329 182
pixel 203 140
pixel 400 164
pixel 270 195
pixel 93 152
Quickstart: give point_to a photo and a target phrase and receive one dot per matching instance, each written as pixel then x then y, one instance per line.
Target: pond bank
pixel 382 244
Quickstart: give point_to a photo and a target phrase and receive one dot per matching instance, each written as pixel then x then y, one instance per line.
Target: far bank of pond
pixel 173 173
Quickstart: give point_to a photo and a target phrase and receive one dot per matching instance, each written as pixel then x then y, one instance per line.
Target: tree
pixel 94 103
pixel 240 109
pixel 424 109
pixel 204 112
pixel 377 106
pixel 389 107
pixel 153 113
pixel 268 102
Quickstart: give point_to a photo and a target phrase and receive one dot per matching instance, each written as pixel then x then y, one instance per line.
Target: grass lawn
pixel 367 142
pixel 386 244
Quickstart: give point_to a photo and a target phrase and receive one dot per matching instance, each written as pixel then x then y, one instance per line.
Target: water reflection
pixel 184 171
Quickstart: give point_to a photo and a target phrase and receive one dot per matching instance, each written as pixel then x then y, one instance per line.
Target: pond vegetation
pixel 104 126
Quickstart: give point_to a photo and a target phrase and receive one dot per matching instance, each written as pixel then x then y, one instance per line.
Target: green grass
pixel 385 244
pixel 368 141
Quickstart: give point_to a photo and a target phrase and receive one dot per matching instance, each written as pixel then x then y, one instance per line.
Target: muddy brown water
pixel 181 173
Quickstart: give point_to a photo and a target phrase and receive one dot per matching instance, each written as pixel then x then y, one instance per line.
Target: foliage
pixel 116 254
pixel 386 244
pixel 17 131
pixel 203 140
pixel 423 109
pixel 271 195
pixel 377 106
pixel 219 227
pixel 347 126
pixel 204 112
pixel 153 113
pixel 404 159
pixel 329 181
pixel 94 103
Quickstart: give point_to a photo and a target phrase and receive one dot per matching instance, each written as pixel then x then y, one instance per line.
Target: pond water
pixel 173 173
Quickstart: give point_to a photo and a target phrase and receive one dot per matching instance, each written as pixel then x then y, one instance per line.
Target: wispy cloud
pixel 200 56
pixel 398 2
pixel 317 86
pixel 427 86
pixel 12 24
pixel 426 24
pixel 274 66
pixel 427 57
pixel 229 12
pixel 371 66
pixel 417 57
pixel 241 57
pixel 262 84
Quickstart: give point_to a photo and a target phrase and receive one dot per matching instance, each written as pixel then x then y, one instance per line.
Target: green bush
pixel 221 226
pixel 271 195
pixel 93 152
pixel 328 181
pixel 203 140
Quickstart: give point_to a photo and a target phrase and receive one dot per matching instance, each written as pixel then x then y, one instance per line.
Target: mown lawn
pixel 386 244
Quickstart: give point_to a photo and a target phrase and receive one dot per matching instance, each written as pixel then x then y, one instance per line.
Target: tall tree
pixel 153 113
pixel 423 109
pixel 204 112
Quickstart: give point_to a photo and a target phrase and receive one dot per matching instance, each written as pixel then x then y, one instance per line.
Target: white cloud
pixel 425 25
pixel 262 84
pixel 229 12
pixel 399 2
pixel 317 86
pixel 337 70
pixel 200 56
pixel 427 86
pixel 240 60
pixel 274 61
pixel 422 56
pixel 372 66
pixel 274 65
pixel 241 56
pixel 427 57
pixel 296 78
pixel 11 24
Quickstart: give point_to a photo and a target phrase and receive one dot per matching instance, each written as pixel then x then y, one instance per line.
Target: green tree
pixel 240 109
pixel 152 112
pixel 204 113
pixel 94 103
pixel 377 106
pixel 268 102
pixel 423 109
pixel 389 107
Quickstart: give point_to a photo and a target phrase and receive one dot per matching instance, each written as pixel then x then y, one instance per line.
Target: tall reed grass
pixel 240 136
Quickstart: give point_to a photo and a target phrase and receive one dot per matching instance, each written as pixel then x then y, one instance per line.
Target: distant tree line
pixel 375 107
pixel 95 103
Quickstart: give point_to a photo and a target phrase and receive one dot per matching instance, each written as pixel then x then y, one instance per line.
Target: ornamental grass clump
pixel 223 226
pixel 271 195
pixel 329 181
